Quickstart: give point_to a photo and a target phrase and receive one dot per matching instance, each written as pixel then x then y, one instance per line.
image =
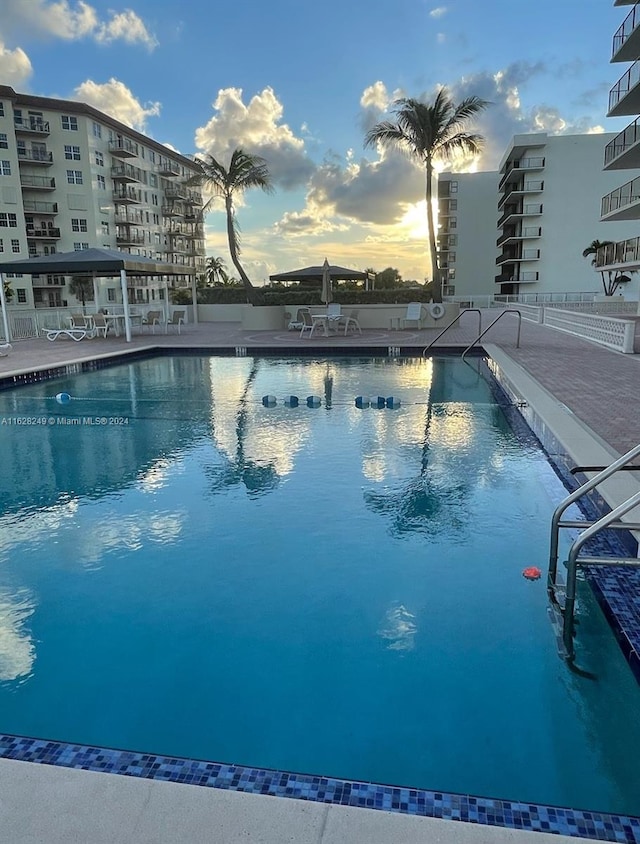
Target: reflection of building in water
pixel 156 409
pixel 17 651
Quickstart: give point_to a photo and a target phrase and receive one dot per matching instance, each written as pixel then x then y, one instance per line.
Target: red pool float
pixel 532 573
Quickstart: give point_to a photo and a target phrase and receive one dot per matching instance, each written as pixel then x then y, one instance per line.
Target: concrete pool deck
pixel 584 393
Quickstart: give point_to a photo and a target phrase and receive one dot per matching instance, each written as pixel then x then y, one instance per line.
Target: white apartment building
pixel 72 178
pixel 467 232
pixel 623 151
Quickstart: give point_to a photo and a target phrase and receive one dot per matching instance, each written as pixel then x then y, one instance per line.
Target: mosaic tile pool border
pixel 596 826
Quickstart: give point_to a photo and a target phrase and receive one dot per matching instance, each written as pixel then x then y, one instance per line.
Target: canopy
pixel 99 262
pixel 315 274
pixel 94 262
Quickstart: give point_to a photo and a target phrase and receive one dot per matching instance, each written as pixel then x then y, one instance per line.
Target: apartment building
pixel 467 232
pixel 72 177
pixel 623 151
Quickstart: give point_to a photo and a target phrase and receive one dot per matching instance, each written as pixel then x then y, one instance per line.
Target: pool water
pixel 335 591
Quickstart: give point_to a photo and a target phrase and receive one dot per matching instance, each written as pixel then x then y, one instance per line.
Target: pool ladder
pixel 562 597
pixel 482 333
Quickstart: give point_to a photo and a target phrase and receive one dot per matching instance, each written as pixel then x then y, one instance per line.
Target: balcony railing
pixel 123 147
pixel 34 206
pixel 49 233
pixel 622 142
pixel 37 182
pixel 126 195
pixel 521 165
pixel 31 124
pixel 624 85
pixel 168 168
pixel 623 252
pixel 130 239
pixel 628 26
pixel 37 156
pixel 126 171
pixel 620 197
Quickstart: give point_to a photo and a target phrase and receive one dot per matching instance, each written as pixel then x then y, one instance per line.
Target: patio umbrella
pixel 326 295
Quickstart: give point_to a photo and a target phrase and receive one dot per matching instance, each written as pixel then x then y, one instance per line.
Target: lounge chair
pixel 413 314
pixel 177 318
pixel 152 319
pixel 350 319
pixel 79 321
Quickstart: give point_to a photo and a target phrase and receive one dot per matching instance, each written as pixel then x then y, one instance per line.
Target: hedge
pixel 236 295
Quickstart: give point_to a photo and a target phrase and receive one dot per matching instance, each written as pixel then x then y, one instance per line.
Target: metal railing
pixel 563 596
pixel 453 322
pixel 490 326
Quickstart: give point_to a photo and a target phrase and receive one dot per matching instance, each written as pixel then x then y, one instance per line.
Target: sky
pixel 300 83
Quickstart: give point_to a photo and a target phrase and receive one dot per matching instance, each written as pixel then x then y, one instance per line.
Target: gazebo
pixel 314 274
pixel 96 263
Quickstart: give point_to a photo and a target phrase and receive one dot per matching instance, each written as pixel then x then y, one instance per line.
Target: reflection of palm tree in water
pixel 258 478
pixel 431 502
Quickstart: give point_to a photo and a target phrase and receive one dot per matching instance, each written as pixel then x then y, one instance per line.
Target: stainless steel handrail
pixel 500 315
pixel 447 327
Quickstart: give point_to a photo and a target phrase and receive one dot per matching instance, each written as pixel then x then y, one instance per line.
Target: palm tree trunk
pixel 435 270
pixel 233 249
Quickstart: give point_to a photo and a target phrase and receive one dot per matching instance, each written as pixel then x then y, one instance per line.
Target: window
pixel 453 205
pixel 153 179
pixel 22 295
pixel 453 240
pixel 5 168
pixel 1 245
pixel 78 247
pixel 1 109
pixel 71 153
pixel 105 228
pixel 8 220
pixel 4 143
pixel 99 158
pixel 453 187
pixel 452 257
pixel 15 245
pixel 102 185
pixel 152 155
pixel 68 122
pixel 111 294
pixel 97 130
pixel 74 177
pixel 453 223
pixel 78 224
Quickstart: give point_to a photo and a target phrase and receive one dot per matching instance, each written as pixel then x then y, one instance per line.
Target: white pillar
pixel 194 297
pixel 166 303
pixel 3 304
pixel 96 303
pixel 125 305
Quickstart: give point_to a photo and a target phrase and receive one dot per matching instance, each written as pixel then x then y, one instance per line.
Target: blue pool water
pixel 333 590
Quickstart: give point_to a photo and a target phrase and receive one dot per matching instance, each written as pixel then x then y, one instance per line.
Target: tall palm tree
pixel 245 171
pixel 215 272
pixel 427 134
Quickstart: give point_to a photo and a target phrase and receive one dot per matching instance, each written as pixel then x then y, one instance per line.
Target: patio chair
pixel 100 325
pixel 296 323
pixel 79 321
pixel 177 318
pixel 413 314
pixel 152 319
pixel 350 319
pixel 334 309
pixel 307 322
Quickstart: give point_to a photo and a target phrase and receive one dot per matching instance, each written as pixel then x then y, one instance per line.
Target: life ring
pixel 436 309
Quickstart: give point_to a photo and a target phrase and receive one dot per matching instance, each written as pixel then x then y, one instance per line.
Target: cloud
pixel 257 128
pixel 15 66
pixel 438 12
pixel 70 22
pixel 114 98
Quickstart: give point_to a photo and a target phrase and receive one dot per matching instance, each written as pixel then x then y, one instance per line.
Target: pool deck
pixel 584 393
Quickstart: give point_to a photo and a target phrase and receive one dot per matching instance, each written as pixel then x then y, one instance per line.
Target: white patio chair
pixel 350 319
pixel 177 319
pixel 413 314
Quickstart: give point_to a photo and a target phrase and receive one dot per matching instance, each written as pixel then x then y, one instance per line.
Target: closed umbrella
pixel 326 295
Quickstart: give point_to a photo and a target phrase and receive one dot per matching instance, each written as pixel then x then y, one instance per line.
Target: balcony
pixel 168 168
pixel 626 41
pixel 35 156
pixel 33 206
pixel 624 255
pixel 48 233
pixel 126 173
pixel 520 190
pixel 521 278
pixel 176 192
pixel 37 182
pixel 528 233
pixel 31 125
pixel 126 195
pixel 624 97
pixel 518 167
pixel 622 203
pixel 125 238
pixel 48 280
pixel 175 209
pixel 516 212
pixel 526 255
pixel 126 219
pixel 623 152
pixel 123 148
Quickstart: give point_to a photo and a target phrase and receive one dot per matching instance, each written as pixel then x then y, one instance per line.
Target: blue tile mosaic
pixel 611 587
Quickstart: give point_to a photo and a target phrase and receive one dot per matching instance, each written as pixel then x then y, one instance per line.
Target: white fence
pixel 25 324
pixel 612 332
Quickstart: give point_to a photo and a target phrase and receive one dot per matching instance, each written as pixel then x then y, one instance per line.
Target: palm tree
pixel 245 171
pixel 427 134
pixel 216 273
pixel 610 283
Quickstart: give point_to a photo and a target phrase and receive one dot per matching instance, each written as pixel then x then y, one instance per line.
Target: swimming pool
pixel 333 590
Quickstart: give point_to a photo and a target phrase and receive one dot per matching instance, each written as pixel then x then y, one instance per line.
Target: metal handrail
pixel 610 520
pixel 500 315
pixel 447 327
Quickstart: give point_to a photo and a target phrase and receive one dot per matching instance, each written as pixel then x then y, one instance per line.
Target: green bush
pixel 296 296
